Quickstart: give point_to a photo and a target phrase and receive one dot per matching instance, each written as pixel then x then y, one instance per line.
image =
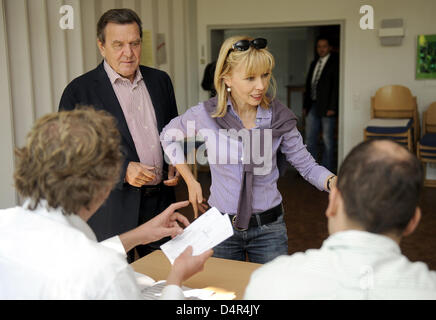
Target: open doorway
pixel 294 50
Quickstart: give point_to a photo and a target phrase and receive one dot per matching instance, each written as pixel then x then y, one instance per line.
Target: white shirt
pixel 47 255
pixel 320 64
pixel 138 110
pixel 350 265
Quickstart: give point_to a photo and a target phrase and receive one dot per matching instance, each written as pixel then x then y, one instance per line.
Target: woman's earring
pixel 229 89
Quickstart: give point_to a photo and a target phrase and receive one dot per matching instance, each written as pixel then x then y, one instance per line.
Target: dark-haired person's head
pixel 378 190
pixel 117 16
pixel 323 46
pixel 119 36
pixel 71 160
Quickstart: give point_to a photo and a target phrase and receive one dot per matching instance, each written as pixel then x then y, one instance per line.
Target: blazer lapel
pixel 310 74
pixel 326 70
pixel 111 104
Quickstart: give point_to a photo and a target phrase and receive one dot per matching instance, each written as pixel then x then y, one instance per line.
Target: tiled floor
pixel 307 226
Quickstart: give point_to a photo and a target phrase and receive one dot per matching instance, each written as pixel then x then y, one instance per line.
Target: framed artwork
pixel 426 57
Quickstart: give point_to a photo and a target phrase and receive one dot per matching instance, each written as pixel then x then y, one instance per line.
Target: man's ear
pixel 100 46
pixel 413 223
pixel 334 198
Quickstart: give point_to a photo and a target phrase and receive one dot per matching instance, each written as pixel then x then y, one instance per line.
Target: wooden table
pixel 228 278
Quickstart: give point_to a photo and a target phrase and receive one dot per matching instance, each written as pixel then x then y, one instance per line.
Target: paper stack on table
pixel 152 290
pixel 207 231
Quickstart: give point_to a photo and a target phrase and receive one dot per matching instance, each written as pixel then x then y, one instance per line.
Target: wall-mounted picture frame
pixel 426 57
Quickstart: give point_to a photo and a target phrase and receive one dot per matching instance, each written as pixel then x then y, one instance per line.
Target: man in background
pixel 374 205
pixel 320 104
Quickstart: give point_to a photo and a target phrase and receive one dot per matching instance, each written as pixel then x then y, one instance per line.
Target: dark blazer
pixel 121 210
pixel 327 89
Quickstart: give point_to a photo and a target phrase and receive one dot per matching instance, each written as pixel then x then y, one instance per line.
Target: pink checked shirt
pixel 138 110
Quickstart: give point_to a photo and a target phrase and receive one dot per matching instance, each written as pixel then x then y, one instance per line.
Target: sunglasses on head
pixel 244 45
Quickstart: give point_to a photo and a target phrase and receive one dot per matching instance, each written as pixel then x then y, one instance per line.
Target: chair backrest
pixel 429 119
pixel 393 101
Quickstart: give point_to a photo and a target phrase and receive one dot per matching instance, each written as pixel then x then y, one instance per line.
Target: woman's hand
pixel 194 189
pixel 196 197
pixel 330 182
pixel 173 177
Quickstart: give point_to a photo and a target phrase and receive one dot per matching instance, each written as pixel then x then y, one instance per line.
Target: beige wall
pixel 366 64
pixel 7 193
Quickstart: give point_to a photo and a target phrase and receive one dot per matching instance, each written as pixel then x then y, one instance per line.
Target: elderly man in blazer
pixel 320 104
pixel 142 100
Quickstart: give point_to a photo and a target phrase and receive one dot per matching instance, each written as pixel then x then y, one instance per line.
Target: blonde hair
pixel 69 159
pixel 255 61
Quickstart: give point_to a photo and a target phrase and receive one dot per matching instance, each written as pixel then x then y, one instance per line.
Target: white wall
pixel 38 59
pixel 366 64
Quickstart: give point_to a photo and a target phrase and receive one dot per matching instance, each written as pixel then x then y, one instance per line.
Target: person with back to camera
pixel 373 206
pixel 66 170
pixel 240 187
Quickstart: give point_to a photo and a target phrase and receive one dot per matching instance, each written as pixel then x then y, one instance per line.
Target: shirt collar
pixel 361 240
pixel 324 59
pixel 114 76
pixel 261 112
pixel 56 214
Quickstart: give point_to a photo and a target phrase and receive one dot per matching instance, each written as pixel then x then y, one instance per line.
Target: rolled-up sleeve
pixel 293 148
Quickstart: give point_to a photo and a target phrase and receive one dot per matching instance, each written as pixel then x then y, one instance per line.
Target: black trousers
pixel 152 203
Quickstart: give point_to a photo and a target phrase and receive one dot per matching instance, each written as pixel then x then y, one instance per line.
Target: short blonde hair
pixel 255 61
pixel 69 159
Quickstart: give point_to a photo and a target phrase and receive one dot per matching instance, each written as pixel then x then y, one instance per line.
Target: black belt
pixel 265 217
pixel 148 191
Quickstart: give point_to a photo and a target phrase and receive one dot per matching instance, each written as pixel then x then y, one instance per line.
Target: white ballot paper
pixel 207 231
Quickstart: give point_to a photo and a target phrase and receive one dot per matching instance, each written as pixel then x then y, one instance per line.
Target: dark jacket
pixel 121 210
pixel 327 89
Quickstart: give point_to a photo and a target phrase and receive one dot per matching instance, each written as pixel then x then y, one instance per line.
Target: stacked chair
pixel 426 148
pixel 394 115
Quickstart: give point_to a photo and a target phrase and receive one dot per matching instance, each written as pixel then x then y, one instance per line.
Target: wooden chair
pixel 426 149
pixel 394 115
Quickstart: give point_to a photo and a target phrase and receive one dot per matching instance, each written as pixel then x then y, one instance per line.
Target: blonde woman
pixel 259 130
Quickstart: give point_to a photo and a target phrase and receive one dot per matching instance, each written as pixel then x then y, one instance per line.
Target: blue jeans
pixel 261 244
pixel 314 123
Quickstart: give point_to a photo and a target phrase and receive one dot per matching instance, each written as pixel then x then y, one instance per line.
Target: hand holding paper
pixel 203 234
